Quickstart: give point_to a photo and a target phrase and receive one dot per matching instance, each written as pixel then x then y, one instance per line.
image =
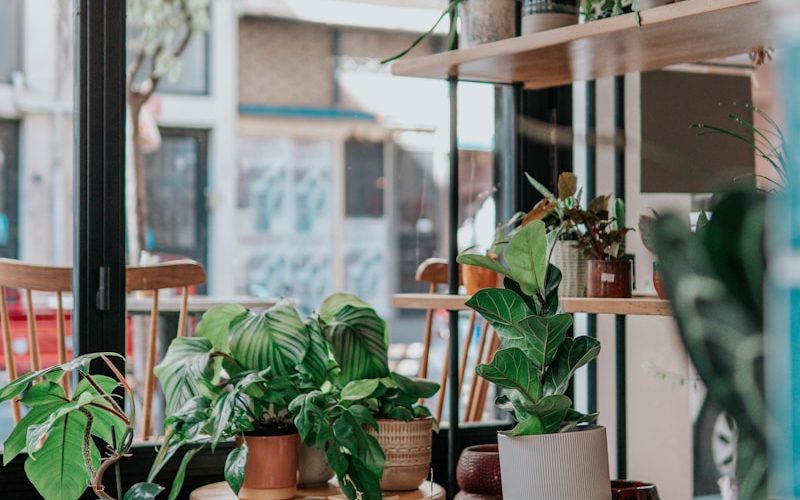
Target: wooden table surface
pixel 221 491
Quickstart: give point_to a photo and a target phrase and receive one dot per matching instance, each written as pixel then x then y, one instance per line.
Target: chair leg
pixel 426 342
pixel 149 379
pixel 8 352
pixel 475 379
pixel 443 381
pixel 465 351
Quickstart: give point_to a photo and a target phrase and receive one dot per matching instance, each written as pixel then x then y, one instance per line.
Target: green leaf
pixel 499 306
pixel 315 361
pixel 37 415
pixel 221 412
pixel 484 261
pixel 336 302
pixel 43 393
pixel 350 434
pixel 356 335
pixel 363 416
pixel 417 388
pixel 216 322
pixel 538 186
pixel 57 469
pixel 400 413
pixel 276 339
pixel 235 466
pixel 530 426
pixel 22 383
pixel 573 354
pixel 183 368
pixel 143 491
pixel 180 475
pixel 38 434
pixel 360 389
pixel 511 369
pixel 526 255
pixel 551 291
pixel 544 417
pixel 542 337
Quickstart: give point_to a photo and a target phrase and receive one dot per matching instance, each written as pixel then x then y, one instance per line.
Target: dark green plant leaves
pixel 315 361
pixel 37 415
pixel 526 255
pixel 573 354
pixel 484 261
pixel 357 338
pixel 511 369
pixel 276 339
pixel 62 451
pixel 143 491
pixel 499 306
pixel 543 336
pixel 360 389
pixel 545 417
pixel 182 370
pixel 180 475
pixel 417 388
pixel 235 466
pixel 215 324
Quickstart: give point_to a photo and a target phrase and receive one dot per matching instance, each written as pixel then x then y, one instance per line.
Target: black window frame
pixel 11 183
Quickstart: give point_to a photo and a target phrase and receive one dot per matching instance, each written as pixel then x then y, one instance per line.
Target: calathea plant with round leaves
pixel 237 377
pixel 538 359
pixel 359 390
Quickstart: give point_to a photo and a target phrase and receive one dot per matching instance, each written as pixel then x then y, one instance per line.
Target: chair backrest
pixel 28 278
pixel 180 274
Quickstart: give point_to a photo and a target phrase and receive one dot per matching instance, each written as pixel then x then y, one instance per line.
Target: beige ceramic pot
pixel 544 15
pixel 572 263
pixel 271 470
pixel 563 466
pixel 407 446
pixel 484 21
pixel 313 468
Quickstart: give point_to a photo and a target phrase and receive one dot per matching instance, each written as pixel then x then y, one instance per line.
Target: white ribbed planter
pixel 564 466
pixel 572 263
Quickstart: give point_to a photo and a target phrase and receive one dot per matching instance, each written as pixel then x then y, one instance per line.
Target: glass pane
pixel 9 38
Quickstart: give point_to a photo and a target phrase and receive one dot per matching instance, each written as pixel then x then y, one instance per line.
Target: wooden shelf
pixel 643 305
pixel 684 32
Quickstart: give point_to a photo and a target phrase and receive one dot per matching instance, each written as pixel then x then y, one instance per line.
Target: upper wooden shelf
pixel 643 305
pixel 684 32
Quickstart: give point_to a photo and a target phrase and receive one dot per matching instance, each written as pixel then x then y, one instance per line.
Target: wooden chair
pixel 434 272
pixel 28 278
pixel 180 274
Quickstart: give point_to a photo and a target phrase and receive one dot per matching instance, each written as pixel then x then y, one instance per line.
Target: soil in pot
pixel 572 263
pixel 478 473
pixel 313 467
pixel 610 279
pixel 543 15
pixel 563 466
pixel 271 470
pixel 484 21
pixel 477 278
pixel 407 446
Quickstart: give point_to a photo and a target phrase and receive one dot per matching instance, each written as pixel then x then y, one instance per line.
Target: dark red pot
pixel 633 490
pixel 610 279
pixel 658 281
pixel 478 473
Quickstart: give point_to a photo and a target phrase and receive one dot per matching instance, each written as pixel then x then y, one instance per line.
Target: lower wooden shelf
pixel 639 305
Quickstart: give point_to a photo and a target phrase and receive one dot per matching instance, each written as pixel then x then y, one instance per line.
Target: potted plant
pixel 62 433
pixel 647 233
pixel 601 9
pixel 367 419
pixel 565 456
pixel 236 378
pixel 543 15
pixel 474 273
pixel 602 240
pixel 482 21
pixel 566 255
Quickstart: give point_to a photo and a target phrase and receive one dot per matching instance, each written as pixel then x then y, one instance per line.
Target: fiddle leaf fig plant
pixel 538 359
pixel 61 432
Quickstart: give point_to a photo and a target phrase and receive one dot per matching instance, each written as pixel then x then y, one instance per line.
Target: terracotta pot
pixel 477 278
pixel 478 473
pixel 407 446
pixel 271 470
pixel 610 279
pixel 633 490
pixel 658 281
pixel 543 15
pixel 562 466
pixel 572 263
pixel 484 21
pixel 313 467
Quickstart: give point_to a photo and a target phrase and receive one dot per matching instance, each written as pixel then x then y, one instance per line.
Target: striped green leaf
pixel 216 322
pixel 182 370
pixel 276 338
pixel 357 337
pixel 315 361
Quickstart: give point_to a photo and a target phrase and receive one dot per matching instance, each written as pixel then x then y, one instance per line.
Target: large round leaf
pixel 511 369
pixel 182 370
pixel 526 255
pixel 276 338
pixel 215 324
pixel 356 335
